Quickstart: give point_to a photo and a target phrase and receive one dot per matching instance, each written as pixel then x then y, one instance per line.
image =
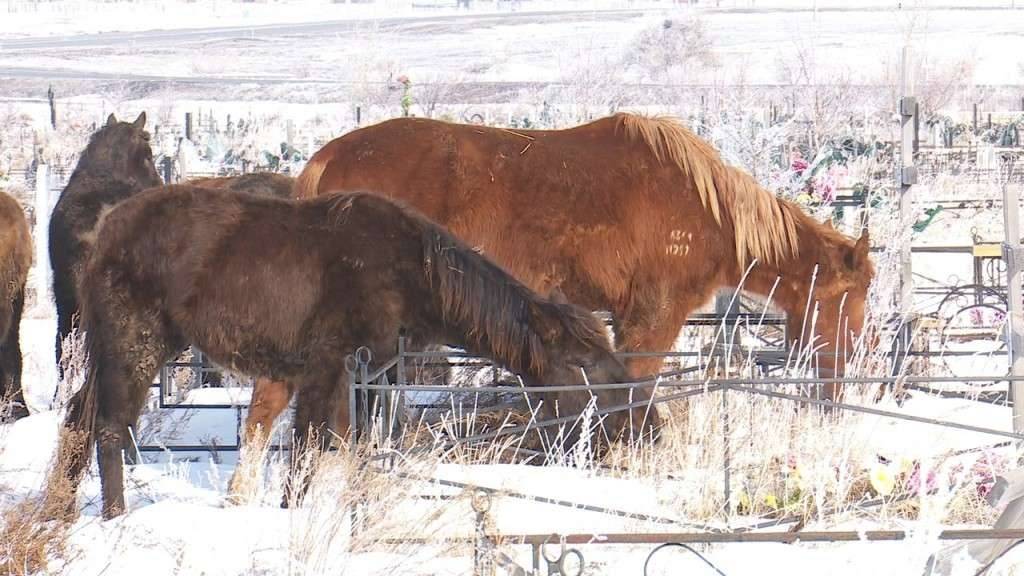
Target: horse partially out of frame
pixel 15 261
pixel 286 289
pixel 630 214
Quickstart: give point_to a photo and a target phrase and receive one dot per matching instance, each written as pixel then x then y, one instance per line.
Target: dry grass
pixel 785 459
pixel 35 530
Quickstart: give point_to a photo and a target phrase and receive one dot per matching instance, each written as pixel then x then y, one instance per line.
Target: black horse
pixel 116 164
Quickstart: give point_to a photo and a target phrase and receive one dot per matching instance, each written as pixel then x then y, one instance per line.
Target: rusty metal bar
pixel 877 412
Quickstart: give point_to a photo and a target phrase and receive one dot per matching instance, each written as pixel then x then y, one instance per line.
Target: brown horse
pixel 634 215
pixel 286 289
pixel 116 164
pixel 15 260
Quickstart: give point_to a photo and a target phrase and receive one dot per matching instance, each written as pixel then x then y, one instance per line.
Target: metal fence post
pixel 1013 255
pixel 906 177
pixel 483 547
pixel 727 457
pixel 353 423
pixel 42 235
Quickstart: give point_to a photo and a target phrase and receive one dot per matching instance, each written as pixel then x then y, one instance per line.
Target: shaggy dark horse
pixel 15 260
pixel 116 164
pixel 258 183
pixel 286 289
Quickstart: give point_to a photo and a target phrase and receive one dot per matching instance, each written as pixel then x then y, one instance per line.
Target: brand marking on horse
pixel 677 249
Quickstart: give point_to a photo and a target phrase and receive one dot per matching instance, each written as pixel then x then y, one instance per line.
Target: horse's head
pixel 841 292
pixel 579 352
pixel 122 150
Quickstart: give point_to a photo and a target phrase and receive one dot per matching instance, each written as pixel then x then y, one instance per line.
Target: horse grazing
pixel 15 260
pixel 116 164
pixel 286 289
pixel 630 214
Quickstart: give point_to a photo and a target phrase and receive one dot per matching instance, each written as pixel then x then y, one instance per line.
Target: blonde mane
pixel 765 226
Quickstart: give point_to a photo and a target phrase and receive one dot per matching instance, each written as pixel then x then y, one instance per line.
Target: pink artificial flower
pixel 914 482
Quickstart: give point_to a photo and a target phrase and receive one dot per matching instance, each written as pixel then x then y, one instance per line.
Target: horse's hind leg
pixel 315 407
pixel 124 373
pixel 10 361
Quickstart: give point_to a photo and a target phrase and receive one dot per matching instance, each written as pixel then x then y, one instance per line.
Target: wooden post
pixel 1014 258
pixel 50 96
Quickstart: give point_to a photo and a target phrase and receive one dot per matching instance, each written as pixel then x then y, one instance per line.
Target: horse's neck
pixel 785 284
pixel 91 180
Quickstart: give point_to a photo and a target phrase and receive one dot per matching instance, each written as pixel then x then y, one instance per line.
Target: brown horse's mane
pixel 765 226
pixel 502 315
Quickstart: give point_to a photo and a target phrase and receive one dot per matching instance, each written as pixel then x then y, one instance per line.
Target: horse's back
pixel 257 183
pixel 555 207
pixel 236 273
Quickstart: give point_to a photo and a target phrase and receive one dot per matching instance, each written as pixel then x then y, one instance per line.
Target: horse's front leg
pixel 317 398
pixel 269 399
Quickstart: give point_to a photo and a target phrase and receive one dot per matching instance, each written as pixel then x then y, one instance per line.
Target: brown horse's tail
pixel 79 432
pixel 308 183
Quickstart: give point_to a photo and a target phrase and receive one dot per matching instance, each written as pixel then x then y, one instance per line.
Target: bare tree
pixel 435 91
pixel 670 51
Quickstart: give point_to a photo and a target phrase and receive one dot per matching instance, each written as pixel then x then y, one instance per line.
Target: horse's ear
pixel 140 122
pixel 828 224
pixel 111 120
pixel 556 296
pixel 858 256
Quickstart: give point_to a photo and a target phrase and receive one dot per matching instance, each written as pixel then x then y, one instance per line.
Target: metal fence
pixel 367 379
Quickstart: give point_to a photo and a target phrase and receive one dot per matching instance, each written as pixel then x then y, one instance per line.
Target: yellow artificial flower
pixel 882 479
pixel 744 501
